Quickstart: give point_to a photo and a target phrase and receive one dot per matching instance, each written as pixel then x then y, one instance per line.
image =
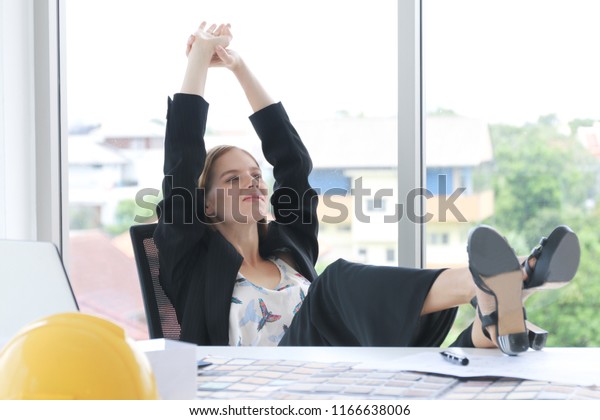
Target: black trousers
pixel 353 304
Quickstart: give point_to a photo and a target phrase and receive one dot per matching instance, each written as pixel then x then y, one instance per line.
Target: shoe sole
pixel 561 266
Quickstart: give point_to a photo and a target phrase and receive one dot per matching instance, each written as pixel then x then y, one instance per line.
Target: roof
pixel 133 129
pixel 451 141
pixel 351 142
pixel 109 290
pixel 345 142
pixel 85 150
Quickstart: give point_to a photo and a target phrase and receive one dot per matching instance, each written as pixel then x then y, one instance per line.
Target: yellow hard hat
pixel 74 356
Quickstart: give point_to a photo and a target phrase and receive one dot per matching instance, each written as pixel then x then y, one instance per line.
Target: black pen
pixel 455 358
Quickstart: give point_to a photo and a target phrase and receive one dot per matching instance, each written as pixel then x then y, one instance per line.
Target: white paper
pixel 174 366
pixel 576 366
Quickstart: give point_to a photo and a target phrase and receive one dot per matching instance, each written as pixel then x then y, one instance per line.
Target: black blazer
pixel 198 266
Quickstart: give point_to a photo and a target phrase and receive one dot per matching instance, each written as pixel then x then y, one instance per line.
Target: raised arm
pixel 294 201
pixel 180 228
pixel 200 52
pixel 255 92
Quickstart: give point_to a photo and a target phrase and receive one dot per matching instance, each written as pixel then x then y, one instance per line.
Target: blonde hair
pixel 206 177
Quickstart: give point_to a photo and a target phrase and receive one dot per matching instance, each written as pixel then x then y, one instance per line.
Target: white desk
pixel 313 354
pixel 237 371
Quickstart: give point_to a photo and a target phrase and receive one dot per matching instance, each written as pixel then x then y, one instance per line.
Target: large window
pixel 333 64
pixel 510 129
pixel 512 123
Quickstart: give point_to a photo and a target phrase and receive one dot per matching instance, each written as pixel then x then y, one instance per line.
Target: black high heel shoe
pixel 557 259
pixel 497 272
pixel 537 335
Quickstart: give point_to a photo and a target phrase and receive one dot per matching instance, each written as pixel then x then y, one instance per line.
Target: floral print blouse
pixel 260 316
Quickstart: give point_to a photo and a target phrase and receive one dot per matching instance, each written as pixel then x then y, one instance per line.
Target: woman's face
pixel 237 192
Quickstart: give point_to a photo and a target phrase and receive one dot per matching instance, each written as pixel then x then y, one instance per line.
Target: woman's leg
pixel 356 304
pixel 453 287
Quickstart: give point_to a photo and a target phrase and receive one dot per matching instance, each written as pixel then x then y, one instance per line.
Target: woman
pixel 235 279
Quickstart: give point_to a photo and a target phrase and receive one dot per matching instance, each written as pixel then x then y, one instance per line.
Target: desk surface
pixel 332 373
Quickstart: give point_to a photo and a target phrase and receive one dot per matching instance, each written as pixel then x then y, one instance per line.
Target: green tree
pixel 543 178
pixel 124 215
pixel 580 122
pixel 570 313
pixel 127 212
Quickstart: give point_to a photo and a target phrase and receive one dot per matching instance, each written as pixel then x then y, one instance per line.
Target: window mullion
pixel 410 135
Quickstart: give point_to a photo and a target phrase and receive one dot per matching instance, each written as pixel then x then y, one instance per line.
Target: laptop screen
pixel 33 284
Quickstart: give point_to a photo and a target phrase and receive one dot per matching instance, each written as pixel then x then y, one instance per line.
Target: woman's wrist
pixel 240 70
pixel 195 74
pixel 200 57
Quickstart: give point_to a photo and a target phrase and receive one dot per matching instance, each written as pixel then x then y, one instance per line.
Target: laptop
pixel 33 284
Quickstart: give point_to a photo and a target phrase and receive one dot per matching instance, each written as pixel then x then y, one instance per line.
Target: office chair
pixel 160 314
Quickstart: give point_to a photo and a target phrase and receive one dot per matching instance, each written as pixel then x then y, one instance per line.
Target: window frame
pixel 33 128
pixel 411 150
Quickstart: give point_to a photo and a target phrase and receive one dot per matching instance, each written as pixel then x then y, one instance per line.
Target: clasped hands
pixel 214 40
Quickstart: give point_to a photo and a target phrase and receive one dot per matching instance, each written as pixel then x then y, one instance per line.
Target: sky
pixel 513 60
pixel 125 57
pixel 503 61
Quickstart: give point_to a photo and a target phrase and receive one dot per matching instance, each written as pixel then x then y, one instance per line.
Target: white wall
pixel 2 107
pixel 17 128
pixel 31 124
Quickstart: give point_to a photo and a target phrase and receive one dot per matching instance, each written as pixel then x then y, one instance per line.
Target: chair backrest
pixel 160 314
